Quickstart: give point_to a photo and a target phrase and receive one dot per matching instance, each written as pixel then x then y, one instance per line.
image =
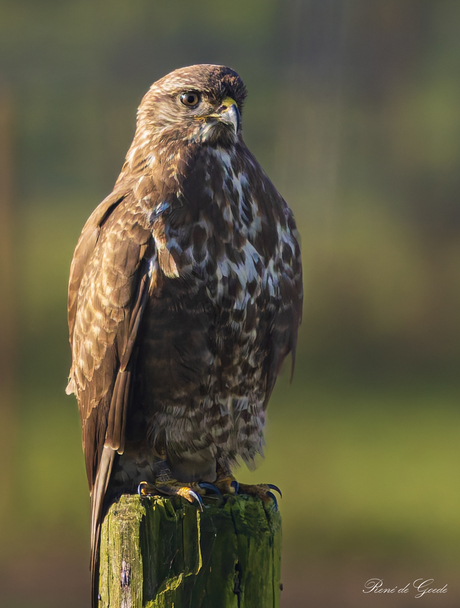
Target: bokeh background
pixel 353 111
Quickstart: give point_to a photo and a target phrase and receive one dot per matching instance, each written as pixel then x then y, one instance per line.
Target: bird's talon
pixel 187 493
pixel 146 489
pixel 273 487
pixel 211 487
pixel 235 485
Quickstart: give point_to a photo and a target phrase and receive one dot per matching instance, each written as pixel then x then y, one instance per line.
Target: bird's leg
pixel 227 484
pixel 171 488
pixel 165 485
pixel 262 491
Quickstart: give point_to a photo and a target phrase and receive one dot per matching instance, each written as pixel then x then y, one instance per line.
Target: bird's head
pixel 200 104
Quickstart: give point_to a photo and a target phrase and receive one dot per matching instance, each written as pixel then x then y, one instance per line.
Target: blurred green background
pixel 353 111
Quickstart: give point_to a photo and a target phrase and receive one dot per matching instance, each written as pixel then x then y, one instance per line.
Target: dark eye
pixel 190 99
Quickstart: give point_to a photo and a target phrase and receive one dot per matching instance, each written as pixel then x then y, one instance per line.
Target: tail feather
pixel 97 505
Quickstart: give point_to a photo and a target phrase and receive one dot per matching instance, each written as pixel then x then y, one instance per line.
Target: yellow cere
pixel 228 101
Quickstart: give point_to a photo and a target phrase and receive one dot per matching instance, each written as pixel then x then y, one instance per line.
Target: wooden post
pixel 164 553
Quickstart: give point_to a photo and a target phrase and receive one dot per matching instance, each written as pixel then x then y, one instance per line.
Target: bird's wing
pixel 84 250
pixel 278 239
pixel 285 322
pixel 108 291
pixel 107 294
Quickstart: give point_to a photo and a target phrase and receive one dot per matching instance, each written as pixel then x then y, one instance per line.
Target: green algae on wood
pixel 165 553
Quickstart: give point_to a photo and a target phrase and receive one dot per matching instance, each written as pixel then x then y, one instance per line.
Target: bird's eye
pixel 190 99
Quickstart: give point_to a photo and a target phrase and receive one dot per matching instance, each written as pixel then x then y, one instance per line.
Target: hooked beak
pixel 229 114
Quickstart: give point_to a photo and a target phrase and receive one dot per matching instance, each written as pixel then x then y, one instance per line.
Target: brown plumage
pixel 185 296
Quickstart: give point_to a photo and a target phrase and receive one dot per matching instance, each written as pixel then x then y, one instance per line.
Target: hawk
pixel 185 296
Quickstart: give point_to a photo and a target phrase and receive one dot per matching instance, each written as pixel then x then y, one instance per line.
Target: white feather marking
pixel 224 158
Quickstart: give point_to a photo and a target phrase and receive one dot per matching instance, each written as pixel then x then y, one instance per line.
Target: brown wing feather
pixel 279 240
pixel 111 282
pixel 108 291
pixel 288 317
pixel 84 249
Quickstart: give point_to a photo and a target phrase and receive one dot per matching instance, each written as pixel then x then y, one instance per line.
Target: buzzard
pixel 185 296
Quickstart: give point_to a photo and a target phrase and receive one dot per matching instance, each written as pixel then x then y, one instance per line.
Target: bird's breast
pixel 217 237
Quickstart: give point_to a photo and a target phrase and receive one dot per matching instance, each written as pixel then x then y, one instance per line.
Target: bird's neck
pixel 167 166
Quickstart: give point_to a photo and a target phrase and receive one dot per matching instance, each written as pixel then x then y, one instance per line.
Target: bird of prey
pixel 185 296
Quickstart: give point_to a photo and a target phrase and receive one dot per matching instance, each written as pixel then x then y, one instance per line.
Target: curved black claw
pixel 235 485
pixel 194 496
pixel 273 487
pixel 144 492
pixel 211 487
pixel 273 497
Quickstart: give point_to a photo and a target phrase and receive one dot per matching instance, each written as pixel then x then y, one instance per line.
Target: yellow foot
pixel 189 491
pixel 192 492
pixel 226 485
pixel 229 485
pixel 262 491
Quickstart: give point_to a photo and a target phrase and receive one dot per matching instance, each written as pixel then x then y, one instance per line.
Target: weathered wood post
pixel 164 553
